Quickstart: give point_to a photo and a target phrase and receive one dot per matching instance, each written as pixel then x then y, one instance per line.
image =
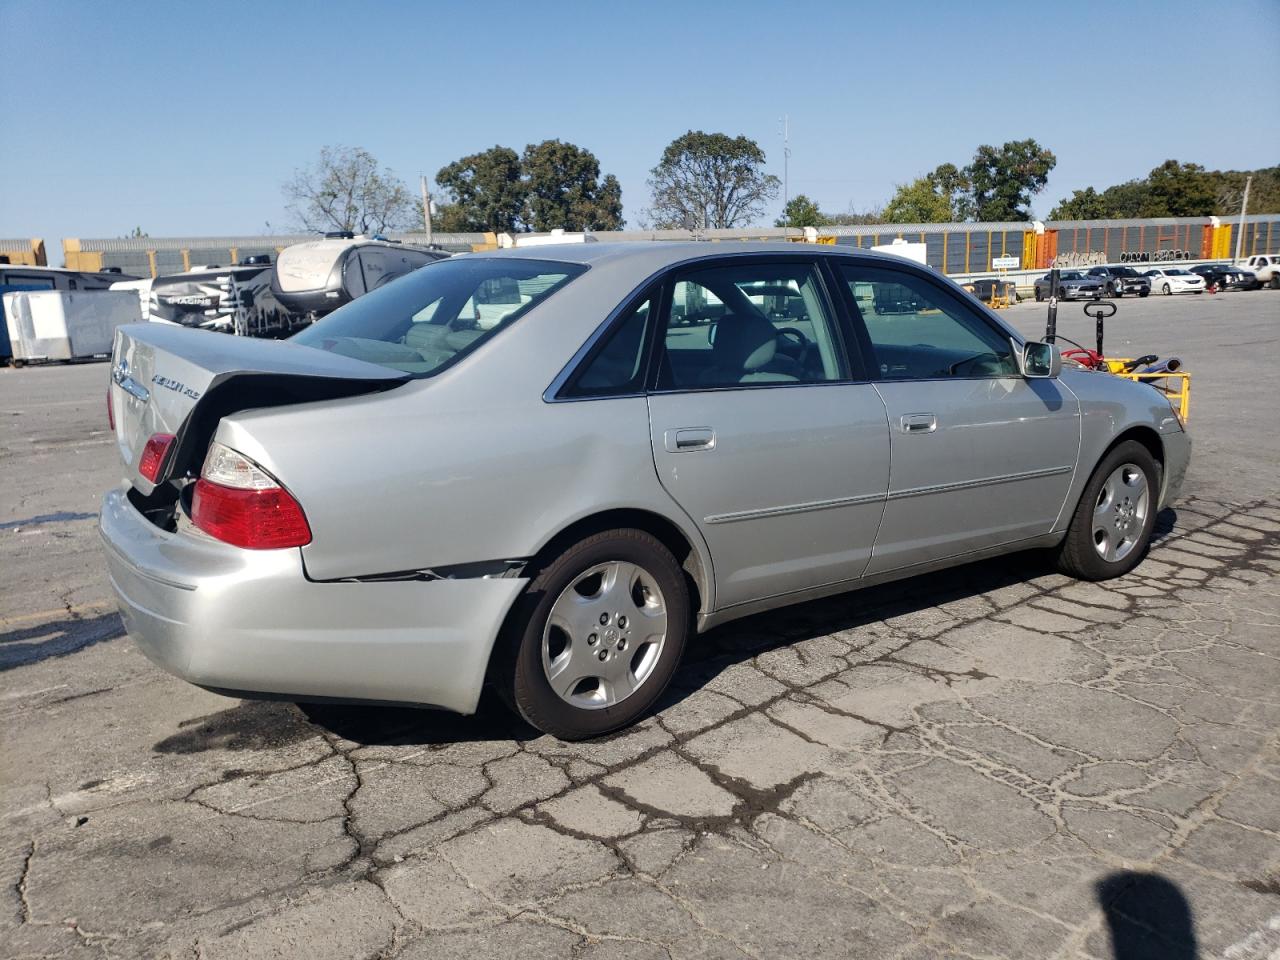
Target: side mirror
pixel 1040 360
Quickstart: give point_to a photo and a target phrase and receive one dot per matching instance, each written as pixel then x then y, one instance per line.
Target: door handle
pixel 918 423
pixel 688 439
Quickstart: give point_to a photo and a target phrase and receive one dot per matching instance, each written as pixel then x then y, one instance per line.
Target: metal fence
pixel 958 249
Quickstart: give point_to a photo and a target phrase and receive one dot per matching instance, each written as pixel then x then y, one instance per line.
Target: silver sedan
pixel 552 468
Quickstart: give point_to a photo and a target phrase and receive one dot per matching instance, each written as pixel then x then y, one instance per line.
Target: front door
pixel 981 457
pixel 759 431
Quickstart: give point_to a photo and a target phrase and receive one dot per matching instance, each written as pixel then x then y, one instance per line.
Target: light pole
pixel 785 120
pixel 426 207
pixel 1244 205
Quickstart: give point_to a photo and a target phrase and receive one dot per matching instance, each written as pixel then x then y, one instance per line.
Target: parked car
pixel 1118 281
pixel 410 497
pixel 1169 280
pixel 1226 276
pixel 318 276
pixel 1266 267
pixel 1072 285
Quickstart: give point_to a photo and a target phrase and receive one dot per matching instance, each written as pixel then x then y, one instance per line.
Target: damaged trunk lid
pixel 171 380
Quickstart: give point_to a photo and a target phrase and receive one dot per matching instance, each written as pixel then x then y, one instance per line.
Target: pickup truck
pixel 1267 267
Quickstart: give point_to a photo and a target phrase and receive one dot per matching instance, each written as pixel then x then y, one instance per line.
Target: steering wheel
pixel 954 369
pixel 793 343
pixel 801 340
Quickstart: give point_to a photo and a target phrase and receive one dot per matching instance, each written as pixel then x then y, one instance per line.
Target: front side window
pixel 432 317
pixel 920 331
pixel 750 324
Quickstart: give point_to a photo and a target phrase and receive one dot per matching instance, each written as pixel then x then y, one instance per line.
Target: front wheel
pixel 1165 290
pixel 597 635
pixel 1275 281
pixel 1111 527
pixel 1145 292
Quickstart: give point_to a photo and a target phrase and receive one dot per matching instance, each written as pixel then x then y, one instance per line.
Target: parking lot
pixel 994 761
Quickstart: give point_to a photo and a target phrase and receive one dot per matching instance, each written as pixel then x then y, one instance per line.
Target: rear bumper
pixel 250 620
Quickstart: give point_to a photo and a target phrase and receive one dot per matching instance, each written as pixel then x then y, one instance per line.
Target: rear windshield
pixel 429 319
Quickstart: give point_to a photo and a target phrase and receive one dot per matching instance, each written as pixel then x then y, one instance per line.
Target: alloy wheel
pixel 604 635
pixel 1120 515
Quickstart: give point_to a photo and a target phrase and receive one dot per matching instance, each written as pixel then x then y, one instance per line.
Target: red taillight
pixel 111 413
pixel 153 455
pixel 254 519
pixel 238 502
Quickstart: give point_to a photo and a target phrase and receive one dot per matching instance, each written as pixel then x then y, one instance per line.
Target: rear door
pixel 763 429
pixel 981 456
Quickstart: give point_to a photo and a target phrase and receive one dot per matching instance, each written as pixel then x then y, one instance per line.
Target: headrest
pixel 745 342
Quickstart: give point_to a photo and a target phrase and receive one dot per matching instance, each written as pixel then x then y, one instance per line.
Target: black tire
pixel 518 670
pixel 1077 554
pixel 1039 295
pixel 1275 281
pixel 1144 293
pixel 1166 291
pixel 1062 293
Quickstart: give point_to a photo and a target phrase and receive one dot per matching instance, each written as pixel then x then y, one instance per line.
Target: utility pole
pixel 786 157
pixel 426 206
pixel 1244 205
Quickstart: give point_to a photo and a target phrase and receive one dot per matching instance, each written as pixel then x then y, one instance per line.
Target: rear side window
pixel 618 366
pixel 423 322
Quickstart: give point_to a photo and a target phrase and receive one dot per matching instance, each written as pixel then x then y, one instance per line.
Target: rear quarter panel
pixel 471 465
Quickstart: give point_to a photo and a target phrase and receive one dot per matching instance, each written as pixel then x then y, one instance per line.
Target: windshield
pixel 1124 271
pixel 1072 275
pixel 431 318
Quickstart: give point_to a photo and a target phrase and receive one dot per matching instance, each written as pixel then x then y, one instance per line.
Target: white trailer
pixel 66 325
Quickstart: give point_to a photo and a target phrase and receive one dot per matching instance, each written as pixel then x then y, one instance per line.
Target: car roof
pixel 657 254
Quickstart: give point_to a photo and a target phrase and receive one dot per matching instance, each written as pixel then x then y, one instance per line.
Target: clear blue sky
pixel 185 118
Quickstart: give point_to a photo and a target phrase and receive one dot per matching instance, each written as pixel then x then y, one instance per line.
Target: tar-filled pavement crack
pixel 961 763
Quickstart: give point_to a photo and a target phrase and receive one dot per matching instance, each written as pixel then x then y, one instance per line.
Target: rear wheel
pixel 1111 527
pixel 1039 295
pixel 597 635
pixel 1275 281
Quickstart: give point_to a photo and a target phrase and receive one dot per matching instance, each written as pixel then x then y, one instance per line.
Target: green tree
pixel 1086 204
pixel 563 189
pixel 1002 180
pixel 1228 185
pixel 483 191
pixel 710 180
pixel 1179 190
pixel 346 190
pixel 800 211
pixel 940 196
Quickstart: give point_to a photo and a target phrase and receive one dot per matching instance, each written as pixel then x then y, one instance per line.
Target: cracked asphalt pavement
pixel 994 761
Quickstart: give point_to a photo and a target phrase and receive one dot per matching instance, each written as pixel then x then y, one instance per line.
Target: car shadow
pixel 711 653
